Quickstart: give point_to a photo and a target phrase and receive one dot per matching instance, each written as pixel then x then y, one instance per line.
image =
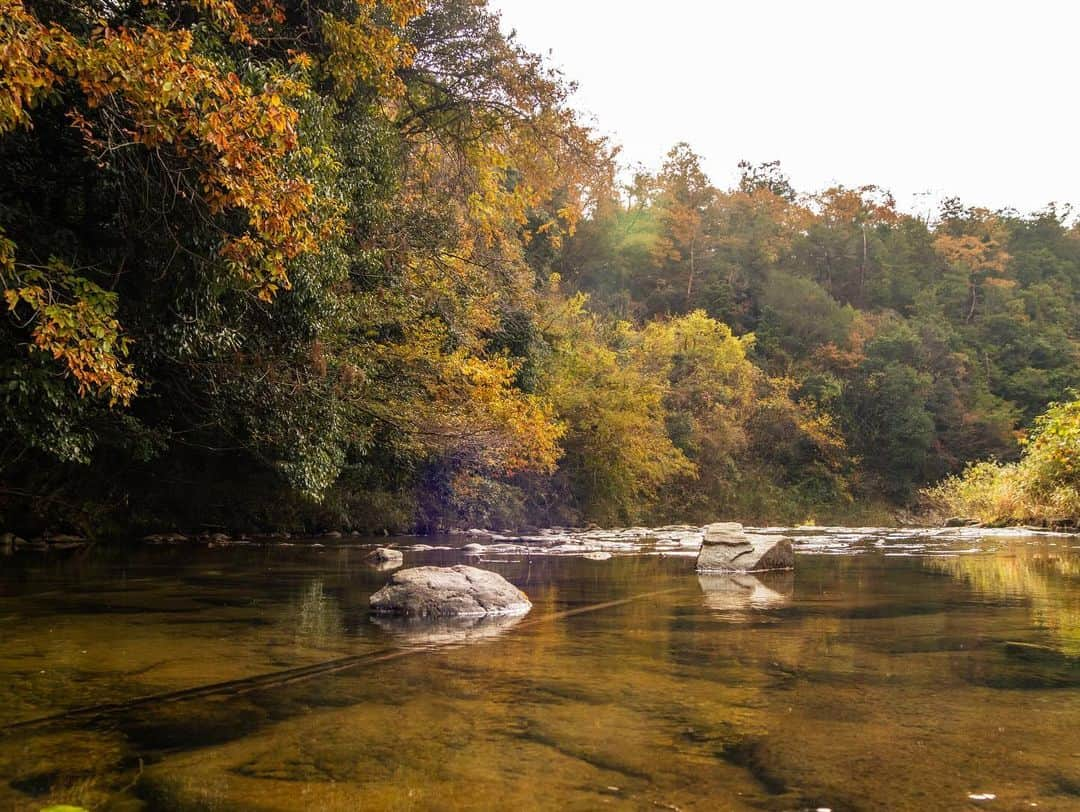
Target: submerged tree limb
pixel 276 679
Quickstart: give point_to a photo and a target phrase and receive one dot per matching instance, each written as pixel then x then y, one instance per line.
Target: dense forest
pixel 347 264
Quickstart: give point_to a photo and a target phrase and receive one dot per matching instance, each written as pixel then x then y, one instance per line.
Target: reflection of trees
pixel 1038 574
pixel 318 617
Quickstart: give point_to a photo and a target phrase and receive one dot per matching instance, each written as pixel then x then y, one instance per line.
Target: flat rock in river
pixel 725 547
pixel 459 591
pixel 723 533
pixel 385 558
pixel 386 555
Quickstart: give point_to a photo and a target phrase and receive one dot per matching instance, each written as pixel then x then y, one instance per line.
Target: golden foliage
pixel 975 247
pixel 864 205
pixel 1044 486
pixel 618 452
pixel 74 323
pixel 972 253
pixel 227 145
pixel 25 76
pixel 364 50
pixel 453 403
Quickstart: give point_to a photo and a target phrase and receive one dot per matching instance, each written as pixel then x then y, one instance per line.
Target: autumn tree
pixel 610 396
pixel 971 245
pixel 843 243
pixel 273 234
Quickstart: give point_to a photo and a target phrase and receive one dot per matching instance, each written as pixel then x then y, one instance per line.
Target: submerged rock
pixel 458 591
pixel 726 547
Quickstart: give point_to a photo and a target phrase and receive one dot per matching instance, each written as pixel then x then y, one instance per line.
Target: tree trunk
pixel 690 279
pixel 862 267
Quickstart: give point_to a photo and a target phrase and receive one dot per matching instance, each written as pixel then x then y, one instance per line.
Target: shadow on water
pixel 857 682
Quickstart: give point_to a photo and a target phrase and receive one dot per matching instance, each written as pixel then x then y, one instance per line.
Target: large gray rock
pixel 726 547
pixel 458 591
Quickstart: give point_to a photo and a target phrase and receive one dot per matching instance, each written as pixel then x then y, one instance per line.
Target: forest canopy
pixel 305 266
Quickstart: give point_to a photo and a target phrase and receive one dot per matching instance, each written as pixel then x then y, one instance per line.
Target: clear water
pixel 892 670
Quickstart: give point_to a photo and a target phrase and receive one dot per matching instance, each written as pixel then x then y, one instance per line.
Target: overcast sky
pixel 973 99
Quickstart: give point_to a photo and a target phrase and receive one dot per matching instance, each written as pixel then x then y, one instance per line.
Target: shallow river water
pixel 892 670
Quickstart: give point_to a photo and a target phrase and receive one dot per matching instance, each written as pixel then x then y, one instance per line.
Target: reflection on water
pixel 868 681
pixel 447 631
pixel 740 593
pixel 385 566
pixel 318 617
pixel 1033 573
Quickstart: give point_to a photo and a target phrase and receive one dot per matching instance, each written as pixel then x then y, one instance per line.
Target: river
pixel 894 669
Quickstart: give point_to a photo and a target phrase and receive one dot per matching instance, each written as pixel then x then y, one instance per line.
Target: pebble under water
pixel 895 669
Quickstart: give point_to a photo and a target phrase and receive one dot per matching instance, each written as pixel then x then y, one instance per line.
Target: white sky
pixel 950 97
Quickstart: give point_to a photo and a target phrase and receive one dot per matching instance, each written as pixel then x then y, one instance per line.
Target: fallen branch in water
pixel 276 679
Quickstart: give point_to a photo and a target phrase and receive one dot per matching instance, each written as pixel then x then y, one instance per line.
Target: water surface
pixel 892 670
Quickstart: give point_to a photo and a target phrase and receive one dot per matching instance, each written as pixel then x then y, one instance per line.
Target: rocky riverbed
pixel 686 540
